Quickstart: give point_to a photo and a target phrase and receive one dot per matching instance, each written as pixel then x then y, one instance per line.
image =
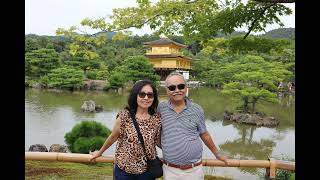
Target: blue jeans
pixel 122 175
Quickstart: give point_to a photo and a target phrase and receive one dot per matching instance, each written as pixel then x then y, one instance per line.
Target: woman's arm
pixel 109 141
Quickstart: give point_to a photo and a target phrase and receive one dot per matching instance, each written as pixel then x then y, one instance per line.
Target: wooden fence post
pixel 271 171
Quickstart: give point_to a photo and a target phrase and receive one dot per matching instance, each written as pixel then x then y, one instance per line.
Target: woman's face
pixel 145 97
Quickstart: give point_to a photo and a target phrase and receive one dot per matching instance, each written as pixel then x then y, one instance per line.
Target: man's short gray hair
pixel 175 74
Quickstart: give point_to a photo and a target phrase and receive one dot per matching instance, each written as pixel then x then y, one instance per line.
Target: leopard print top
pixel 129 155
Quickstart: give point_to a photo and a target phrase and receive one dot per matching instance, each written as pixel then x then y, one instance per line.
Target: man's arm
pixel 206 138
pixel 158 138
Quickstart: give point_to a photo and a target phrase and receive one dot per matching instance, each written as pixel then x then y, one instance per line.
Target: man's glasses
pixel 143 95
pixel 179 86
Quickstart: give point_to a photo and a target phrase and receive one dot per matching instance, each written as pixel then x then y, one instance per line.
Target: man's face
pixel 176 88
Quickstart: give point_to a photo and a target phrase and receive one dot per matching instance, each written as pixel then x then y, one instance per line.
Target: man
pixel 182 123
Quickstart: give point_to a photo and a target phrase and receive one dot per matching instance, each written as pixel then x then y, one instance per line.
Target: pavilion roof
pixel 163 41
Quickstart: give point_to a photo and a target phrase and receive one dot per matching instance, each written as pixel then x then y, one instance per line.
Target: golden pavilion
pixel 166 57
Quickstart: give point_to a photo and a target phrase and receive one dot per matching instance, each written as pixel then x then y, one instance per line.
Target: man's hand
pixel 95 155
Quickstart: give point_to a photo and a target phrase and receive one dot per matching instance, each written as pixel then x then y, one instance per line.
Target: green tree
pixel 253 79
pixel 133 68
pixel 108 55
pixel 92 74
pixel 137 41
pixel 139 67
pixel 117 79
pixel 79 62
pixel 82 44
pixel 195 19
pixel 86 136
pixel 212 66
pixel 43 41
pixel 122 37
pixel 103 73
pixel 107 52
pixel 200 18
pixel 195 47
pixel 218 75
pixel 40 62
pixel 60 44
pixel 65 78
pixel 201 68
pixel 50 46
pixel 258 44
pixel 31 44
pixel 216 49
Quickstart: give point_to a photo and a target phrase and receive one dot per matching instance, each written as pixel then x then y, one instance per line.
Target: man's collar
pixel 187 101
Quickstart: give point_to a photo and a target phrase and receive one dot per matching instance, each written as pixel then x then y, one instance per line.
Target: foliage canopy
pixel 86 136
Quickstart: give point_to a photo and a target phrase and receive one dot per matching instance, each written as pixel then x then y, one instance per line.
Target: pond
pixel 50 114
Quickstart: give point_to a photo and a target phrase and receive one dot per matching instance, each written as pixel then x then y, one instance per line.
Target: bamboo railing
pixel 271 165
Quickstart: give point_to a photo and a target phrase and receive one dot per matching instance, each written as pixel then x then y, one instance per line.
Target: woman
pixel 130 159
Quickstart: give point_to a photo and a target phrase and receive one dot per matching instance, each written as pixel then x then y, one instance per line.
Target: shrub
pixel 92 74
pixel 29 82
pixel 44 80
pixel 84 144
pixel 65 77
pixel 102 74
pixel 86 136
pixel 283 174
pixel 117 79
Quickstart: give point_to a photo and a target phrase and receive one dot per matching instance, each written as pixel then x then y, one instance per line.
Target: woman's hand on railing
pixel 94 155
pixel 223 158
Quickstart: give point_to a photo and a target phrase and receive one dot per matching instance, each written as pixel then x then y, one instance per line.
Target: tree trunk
pixel 254 102
pixel 245 104
pixel 254 21
pixel 85 73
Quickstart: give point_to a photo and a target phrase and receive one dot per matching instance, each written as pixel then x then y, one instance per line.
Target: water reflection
pixel 247 147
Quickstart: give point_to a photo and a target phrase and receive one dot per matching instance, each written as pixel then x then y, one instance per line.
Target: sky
pixel 44 17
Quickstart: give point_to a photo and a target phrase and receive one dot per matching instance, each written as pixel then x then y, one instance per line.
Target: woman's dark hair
pixel 132 100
